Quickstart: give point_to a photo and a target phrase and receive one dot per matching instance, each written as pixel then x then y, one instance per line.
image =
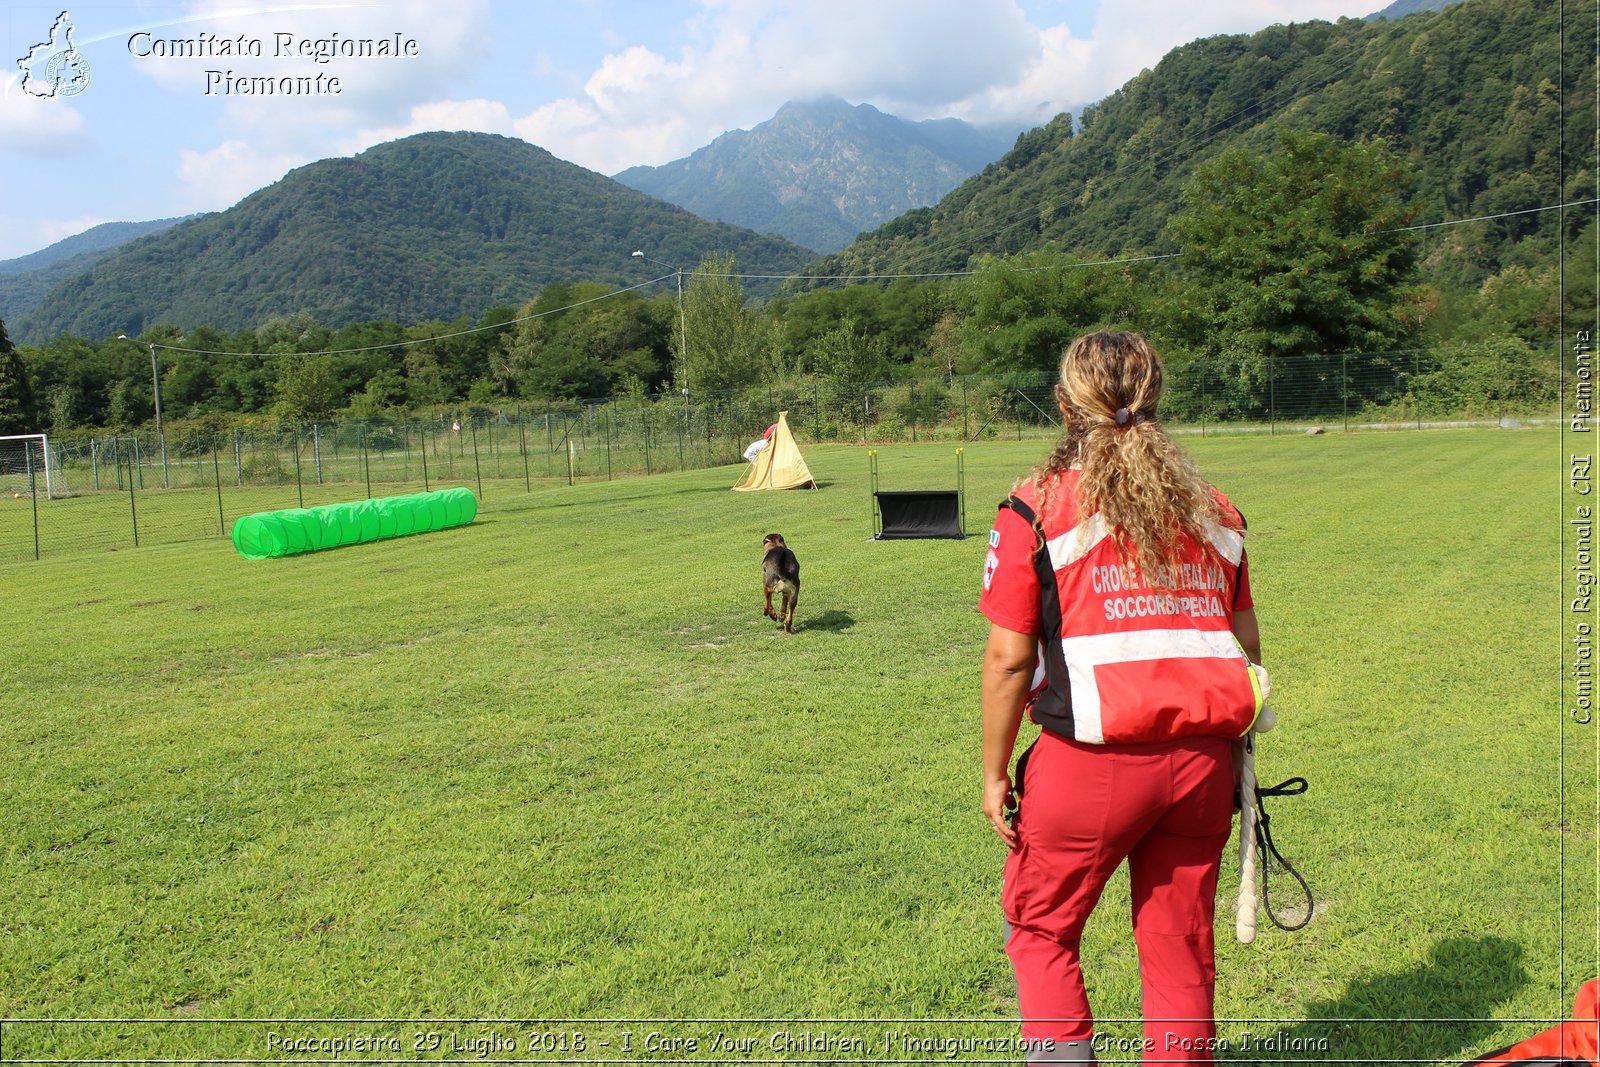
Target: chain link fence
pixel 113 491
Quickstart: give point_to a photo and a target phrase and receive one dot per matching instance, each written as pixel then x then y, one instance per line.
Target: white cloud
pixel 1157 26
pixel 482 116
pixel 373 89
pixel 910 56
pixel 46 128
pixel 290 40
pixel 915 58
pixel 234 169
pixel 981 60
pixel 1129 36
pixel 264 136
pixel 741 60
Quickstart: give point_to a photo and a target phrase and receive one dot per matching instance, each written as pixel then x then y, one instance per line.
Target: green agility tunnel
pixel 268 534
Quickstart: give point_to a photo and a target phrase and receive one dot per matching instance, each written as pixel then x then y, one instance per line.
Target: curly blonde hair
pixel 1149 492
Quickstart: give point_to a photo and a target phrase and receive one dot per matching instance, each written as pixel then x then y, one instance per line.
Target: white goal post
pixel 29 463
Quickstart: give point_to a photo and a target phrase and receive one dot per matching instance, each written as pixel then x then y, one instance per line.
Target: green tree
pixel 1024 310
pixel 74 376
pixel 578 341
pixel 386 389
pixel 124 406
pixel 59 414
pixel 1518 302
pixel 723 349
pixel 1497 376
pixel 847 353
pixel 1295 254
pixel 306 388
pixel 16 392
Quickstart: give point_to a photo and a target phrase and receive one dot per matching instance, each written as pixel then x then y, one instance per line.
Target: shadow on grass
pixel 1429 1014
pixel 832 621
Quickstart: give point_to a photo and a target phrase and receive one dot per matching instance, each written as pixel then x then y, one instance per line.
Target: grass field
pixel 554 765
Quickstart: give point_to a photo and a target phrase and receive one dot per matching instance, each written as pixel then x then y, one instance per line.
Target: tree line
pixel 1299 251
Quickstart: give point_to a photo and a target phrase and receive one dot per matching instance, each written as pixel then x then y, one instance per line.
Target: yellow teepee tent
pixel 780 465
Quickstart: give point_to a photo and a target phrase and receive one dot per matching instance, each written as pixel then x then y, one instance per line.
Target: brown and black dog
pixel 780 573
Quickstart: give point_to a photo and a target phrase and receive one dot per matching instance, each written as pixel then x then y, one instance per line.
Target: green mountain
pixel 25 280
pixel 820 172
pixel 105 237
pixel 432 226
pixel 1464 95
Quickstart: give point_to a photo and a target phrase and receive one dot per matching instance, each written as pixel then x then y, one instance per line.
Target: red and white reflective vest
pixel 1121 662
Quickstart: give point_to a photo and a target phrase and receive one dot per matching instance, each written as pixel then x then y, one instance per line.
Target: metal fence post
pixel 1344 387
pixel 216 474
pixel 299 489
pixel 477 471
pixel 133 508
pixel 522 436
pixel 316 448
pixel 1272 395
pixel 422 431
pixel 1416 372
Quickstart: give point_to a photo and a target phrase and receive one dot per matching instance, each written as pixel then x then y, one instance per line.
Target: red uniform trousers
pixel 1167 808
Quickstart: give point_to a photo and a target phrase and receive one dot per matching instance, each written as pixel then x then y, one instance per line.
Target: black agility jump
pixel 919 513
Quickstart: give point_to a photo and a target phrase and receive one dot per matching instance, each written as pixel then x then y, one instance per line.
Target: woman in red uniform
pixel 1121 620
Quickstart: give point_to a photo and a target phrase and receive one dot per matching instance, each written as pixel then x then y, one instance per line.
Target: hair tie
pixel 1124 418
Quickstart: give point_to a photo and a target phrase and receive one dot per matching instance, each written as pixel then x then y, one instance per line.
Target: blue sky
pixel 607 84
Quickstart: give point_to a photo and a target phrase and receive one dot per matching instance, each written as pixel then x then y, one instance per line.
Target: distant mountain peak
pixel 822 170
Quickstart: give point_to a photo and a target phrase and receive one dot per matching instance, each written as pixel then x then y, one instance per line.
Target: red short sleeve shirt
pixel 1010 596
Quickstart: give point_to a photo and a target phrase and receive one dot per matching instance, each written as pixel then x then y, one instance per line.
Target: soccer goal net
pixel 31 466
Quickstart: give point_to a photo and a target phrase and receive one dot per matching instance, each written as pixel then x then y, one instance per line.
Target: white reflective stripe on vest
pixel 1068 548
pixel 1084 654
pixel 1229 543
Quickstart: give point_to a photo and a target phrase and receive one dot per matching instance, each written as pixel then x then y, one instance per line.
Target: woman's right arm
pixel 1008 664
pixel 1248 631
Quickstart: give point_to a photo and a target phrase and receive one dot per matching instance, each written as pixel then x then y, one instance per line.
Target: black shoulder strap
pixel 1053 707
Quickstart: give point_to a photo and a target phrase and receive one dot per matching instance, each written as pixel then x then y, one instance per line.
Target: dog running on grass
pixel 780 573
